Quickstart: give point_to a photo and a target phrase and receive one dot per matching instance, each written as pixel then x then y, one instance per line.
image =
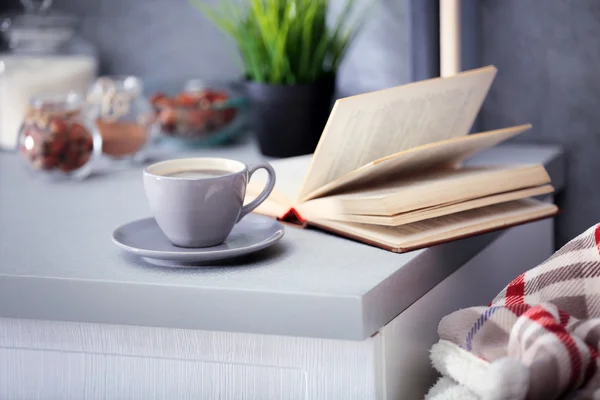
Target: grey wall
pixel 169 39
pixel 548 56
pixel 547 52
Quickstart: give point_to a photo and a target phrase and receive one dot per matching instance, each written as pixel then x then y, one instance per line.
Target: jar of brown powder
pixel 124 116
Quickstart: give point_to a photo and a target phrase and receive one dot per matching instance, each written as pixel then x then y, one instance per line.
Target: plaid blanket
pixel 548 319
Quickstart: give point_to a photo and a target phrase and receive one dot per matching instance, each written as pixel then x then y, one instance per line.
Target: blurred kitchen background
pixel 161 40
pixel 546 51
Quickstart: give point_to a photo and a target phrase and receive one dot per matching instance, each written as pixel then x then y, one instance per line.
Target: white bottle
pixel 45 57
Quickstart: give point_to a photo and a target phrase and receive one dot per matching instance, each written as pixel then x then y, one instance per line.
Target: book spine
pixel 293 217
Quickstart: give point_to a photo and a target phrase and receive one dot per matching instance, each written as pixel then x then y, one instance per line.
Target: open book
pixel 389 169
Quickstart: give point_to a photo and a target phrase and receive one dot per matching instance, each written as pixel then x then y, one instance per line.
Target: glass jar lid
pixel 67 102
pixel 38 29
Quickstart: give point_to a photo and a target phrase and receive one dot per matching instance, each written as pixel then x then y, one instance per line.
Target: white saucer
pixel 145 239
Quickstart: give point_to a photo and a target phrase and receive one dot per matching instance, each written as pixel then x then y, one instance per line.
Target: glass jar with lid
pixel 123 115
pixel 45 56
pixel 57 137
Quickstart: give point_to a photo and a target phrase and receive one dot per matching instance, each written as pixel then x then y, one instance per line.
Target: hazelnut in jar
pixel 56 139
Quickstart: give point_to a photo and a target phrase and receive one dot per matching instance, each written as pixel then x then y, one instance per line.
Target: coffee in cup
pixel 197 201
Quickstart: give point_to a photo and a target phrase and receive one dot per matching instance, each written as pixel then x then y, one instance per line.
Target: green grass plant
pixel 286 42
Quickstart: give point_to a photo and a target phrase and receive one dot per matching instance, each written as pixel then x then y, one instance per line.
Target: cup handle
pixel 266 191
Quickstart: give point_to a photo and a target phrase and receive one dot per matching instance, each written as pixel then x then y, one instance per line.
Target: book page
pixel 445 154
pixel 269 208
pixel 432 231
pixel 289 173
pixel 364 128
pixel 433 189
pixel 426 213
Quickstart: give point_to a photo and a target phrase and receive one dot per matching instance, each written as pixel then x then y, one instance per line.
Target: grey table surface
pixel 57 262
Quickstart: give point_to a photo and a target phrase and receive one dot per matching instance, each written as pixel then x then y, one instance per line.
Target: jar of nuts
pixel 56 139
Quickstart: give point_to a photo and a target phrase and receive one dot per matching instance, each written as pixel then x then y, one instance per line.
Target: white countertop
pixel 57 262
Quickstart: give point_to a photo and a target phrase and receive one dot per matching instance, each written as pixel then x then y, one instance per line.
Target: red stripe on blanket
pixel 518 309
pixel 597 237
pixel 564 317
pixel 571 347
pixel 591 368
pixel 545 319
pixel 515 291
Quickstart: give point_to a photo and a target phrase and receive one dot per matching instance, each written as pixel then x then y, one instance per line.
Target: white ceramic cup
pixel 197 201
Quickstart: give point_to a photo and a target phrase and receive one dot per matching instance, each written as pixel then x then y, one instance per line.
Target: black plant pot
pixel 289 119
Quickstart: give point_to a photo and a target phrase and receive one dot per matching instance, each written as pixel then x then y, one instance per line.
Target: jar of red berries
pixel 56 137
pixel 199 113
